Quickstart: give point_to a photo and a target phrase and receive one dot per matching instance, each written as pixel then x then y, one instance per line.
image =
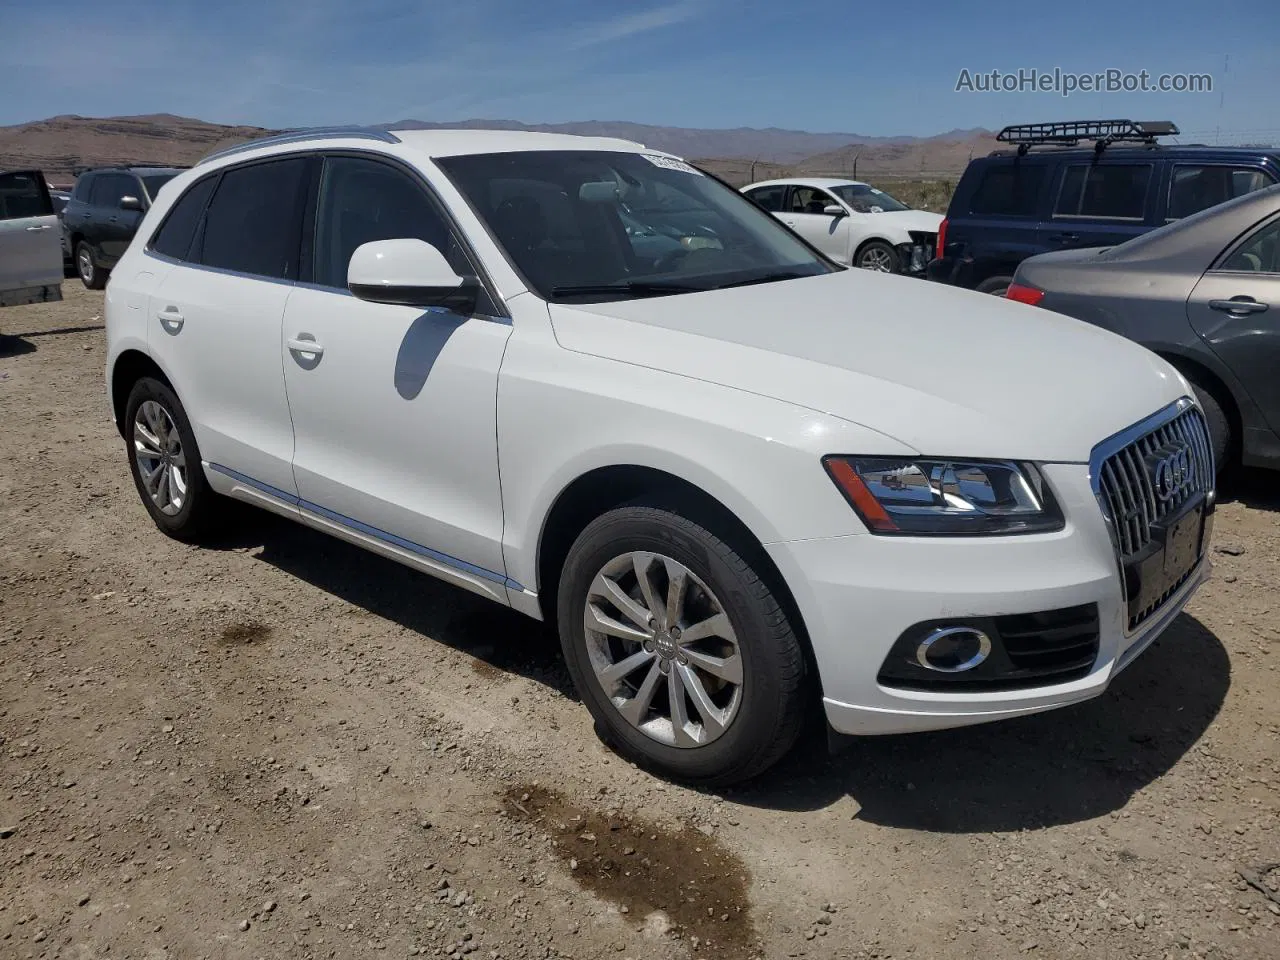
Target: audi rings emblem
pixel 1173 473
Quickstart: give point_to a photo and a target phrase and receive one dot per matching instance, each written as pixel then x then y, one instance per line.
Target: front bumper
pixel 858 594
pixel 915 254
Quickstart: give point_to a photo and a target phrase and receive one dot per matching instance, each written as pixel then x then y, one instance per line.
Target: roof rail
pixel 296 136
pixel 1070 133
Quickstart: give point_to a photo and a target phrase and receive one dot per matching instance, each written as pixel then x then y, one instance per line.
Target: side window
pixel 771 198
pixel 23 195
pixel 174 237
pixel 254 221
pixel 83 188
pixel 1008 190
pixel 1260 253
pixel 1113 191
pixel 810 200
pixel 108 188
pixel 1196 187
pixel 362 201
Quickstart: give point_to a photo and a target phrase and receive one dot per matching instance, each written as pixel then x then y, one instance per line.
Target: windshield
pixel 863 198
pixel 154 181
pixel 594 225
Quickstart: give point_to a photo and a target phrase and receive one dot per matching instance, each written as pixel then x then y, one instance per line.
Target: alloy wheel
pixel 162 463
pixel 663 650
pixel 84 263
pixel 877 259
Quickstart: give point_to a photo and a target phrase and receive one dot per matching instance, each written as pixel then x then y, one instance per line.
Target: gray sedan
pixel 1204 293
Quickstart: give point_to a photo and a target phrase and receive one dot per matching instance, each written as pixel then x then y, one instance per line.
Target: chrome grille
pixel 1139 489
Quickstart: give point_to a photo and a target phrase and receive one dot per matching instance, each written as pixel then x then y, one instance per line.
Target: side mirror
pixel 130 203
pixel 409 273
pixel 833 210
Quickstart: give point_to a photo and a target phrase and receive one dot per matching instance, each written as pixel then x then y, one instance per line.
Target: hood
pixel 911 219
pixel 946 371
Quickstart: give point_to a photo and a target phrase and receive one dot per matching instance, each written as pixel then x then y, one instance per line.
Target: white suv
pixel 587 380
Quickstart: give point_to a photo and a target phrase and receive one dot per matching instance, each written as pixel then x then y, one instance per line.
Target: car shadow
pixel 1251 486
pixel 12 345
pixel 497 637
pixel 1063 766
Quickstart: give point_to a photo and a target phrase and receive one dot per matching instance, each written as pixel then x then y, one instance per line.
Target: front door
pixel 394 408
pixel 30 241
pixel 804 215
pixel 1235 308
pixel 114 226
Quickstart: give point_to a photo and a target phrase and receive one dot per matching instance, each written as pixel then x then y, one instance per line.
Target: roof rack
pixel 295 136
pixel 1070 133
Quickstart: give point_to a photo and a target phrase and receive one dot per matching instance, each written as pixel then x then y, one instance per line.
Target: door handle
pixel 1240 306
pixel 789 223
pixel 38 227
pixel 171 319
pixel 305 347
pixel 1065 237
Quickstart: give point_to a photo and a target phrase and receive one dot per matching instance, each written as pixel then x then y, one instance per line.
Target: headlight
pixel 921 497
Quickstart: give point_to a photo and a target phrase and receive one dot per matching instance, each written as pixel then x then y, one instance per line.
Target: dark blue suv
pixel 1048 192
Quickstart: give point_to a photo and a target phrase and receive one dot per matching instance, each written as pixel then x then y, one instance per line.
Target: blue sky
pixel 877 69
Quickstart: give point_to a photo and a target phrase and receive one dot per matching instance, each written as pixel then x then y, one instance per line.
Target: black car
pixel 104 212
pixel 1204 293
pixel 1050 192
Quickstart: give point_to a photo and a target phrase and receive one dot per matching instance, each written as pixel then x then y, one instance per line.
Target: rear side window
pixel 1260 253
pixel 254 221
pixel 83 188
pixel 1115 191
pixel 771 198
pixel 1008 190
pixel 1197 187
pixel 23 195
pixel 174 237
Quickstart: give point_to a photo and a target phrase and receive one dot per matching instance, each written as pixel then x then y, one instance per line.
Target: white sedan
pixel 587 381
pixel 852 222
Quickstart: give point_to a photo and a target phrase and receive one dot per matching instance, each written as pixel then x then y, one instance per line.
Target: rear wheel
pixel 1219 426
pixel 995 285
pixel 678 648
pixel 165 462
pixel 91 275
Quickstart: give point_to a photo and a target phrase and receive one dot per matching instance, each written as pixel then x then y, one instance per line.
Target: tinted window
pixel 1259 254
pixel 1008 190
pixel 362 201
pixel 174 236
pixel 771 198
pixel 83 188
pixel 571 222
pixel 1115 191
pixel 153 182
pixel 254 222
pixel 1195 188
pixel 23 195
pixel 810 200
pixel 108 188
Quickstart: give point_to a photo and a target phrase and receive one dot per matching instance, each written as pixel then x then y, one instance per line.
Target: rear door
pixel 30 240
pixel 1102 203
pixel 1236 310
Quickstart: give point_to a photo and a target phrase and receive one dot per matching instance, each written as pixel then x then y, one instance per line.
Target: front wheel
pixel 877 256
pixel 91 275
pixel 678 648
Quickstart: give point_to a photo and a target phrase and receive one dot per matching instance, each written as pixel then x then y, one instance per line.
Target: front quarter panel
pixel 562 414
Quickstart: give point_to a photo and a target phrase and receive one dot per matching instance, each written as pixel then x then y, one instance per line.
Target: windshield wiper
pixel 764 278
pixel 643 288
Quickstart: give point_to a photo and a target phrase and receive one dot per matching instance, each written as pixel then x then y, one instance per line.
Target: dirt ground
pixel 283 747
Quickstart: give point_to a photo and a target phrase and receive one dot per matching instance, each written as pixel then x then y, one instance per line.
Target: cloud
pixel 631 24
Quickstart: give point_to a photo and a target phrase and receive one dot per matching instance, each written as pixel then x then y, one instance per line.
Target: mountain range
pixel 63 145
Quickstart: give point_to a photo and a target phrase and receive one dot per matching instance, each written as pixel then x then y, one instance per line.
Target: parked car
pixel 730 483
pixel 59 199
pixel 852 222
pixel 1204 293
pixel 30 254
pixel 105 209
pixel 1049 193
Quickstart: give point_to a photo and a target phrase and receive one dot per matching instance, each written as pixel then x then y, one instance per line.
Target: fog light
pixel 953 649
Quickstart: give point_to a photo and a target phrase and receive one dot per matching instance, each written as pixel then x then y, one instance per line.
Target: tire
pixel 994 285
pixel 1219 426
pixel 762 712
pixel 179 500
pixel 91 275
pixel 878 256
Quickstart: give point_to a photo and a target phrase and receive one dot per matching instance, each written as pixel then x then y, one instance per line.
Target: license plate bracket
pixel 1176 547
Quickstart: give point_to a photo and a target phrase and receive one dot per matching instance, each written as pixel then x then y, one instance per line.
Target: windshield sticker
pixel 671 163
